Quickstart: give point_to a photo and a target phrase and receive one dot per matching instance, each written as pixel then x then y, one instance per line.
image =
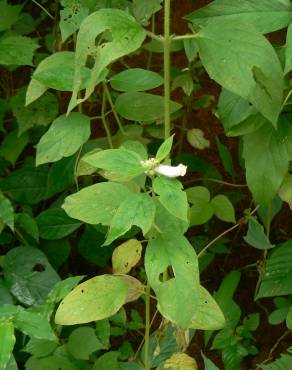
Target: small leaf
pixel 96 203
pixel 196 138
pixel 108 361
pixel 95 299
pixel 223 208
pixel 209 364
pixel 136 79
pixel 256 236
pixel 71 16
pixel 226 157
pixel 7 341
pixel 136 209
pixel 171 196
pixel 82 342
pixel 64 137
pixel 13 145
pixel 9 15
pixel 40 347
pixel 289 319
pixel 142 107
pixel 198 193
pixel 201 210
pixel 126 256
pixel 164 149
pixel 180 361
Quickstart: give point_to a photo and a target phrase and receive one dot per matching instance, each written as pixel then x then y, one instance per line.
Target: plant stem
pixel 43 9
pixel 185 37
pixel 217 181
pixel 104 121
pixel 166 45
pixel 109 98
pixel 147 328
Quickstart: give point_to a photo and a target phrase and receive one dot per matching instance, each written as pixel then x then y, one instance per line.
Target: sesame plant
pixel 94 171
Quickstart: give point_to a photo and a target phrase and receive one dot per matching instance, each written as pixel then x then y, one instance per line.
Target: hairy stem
pixel 166 48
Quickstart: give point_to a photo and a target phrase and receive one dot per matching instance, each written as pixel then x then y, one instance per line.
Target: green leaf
pixel 171 196
pixel 7 341
pixel 57 72
pixel 167 222
pixel 27 185
pixel 9 15
pixel 127 36
pixel 17 50
pixel 282 363
pixel 95 299
pixel 29 274
pixel 226 157
pixel 209 364
pixel 201 210
pixel 34 325
pixel 144 9
pixel 141 106
pixel 71 16
pixel 266 16
pixel 266 162
pixel 233 355
pixel 121 162
pixel 40 347
pixel 6 211
pixel 196 139
pixel 64 137
pixel 57 251
pixel 256 236
pixel 288 50
pixel 82 342
pixel 285 191
pixel 96 203
pixel 226 47
pixel 136 79
pixel 289 319
pixel 55 224
pixel 63 287
pixel 178 296
pixel 277 275
pixel 40 113
pixel 136 209
pixel 180 361
pixel 223 208
pixel 13 145
pixel 126 256
pixel 208 315
pixel 164 149
pixel 108 361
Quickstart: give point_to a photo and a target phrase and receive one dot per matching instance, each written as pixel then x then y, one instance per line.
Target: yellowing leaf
pixel 180 361
pixel 126 256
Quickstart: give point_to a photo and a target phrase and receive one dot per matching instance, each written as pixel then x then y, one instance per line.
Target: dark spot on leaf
pixel 82 290
pixel 206 302
pixel 39 267
pixel 126 264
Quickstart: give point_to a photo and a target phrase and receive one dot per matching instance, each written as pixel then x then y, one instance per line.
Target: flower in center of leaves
pixel 153 167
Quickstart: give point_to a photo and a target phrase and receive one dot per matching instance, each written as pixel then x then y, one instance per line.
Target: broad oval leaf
pixel 64 137
pixel 244 62
pixel 123 163
pixel 96 203
pixel 17 50
pixel 142 107
pixel 127 36
pixel 265 15
pixel 7 341
pixel 95 299
pixel 136 79
pixel 223 208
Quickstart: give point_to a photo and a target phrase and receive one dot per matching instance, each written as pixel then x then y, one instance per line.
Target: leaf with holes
pixel 127 36
pixel 178 296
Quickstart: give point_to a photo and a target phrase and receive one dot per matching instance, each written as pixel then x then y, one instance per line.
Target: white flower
pixel 171 171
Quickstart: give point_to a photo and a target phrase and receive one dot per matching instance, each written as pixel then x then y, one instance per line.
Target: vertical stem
pixel 104 121
pixel 147 328
pixel 166 44
pixel 109 98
